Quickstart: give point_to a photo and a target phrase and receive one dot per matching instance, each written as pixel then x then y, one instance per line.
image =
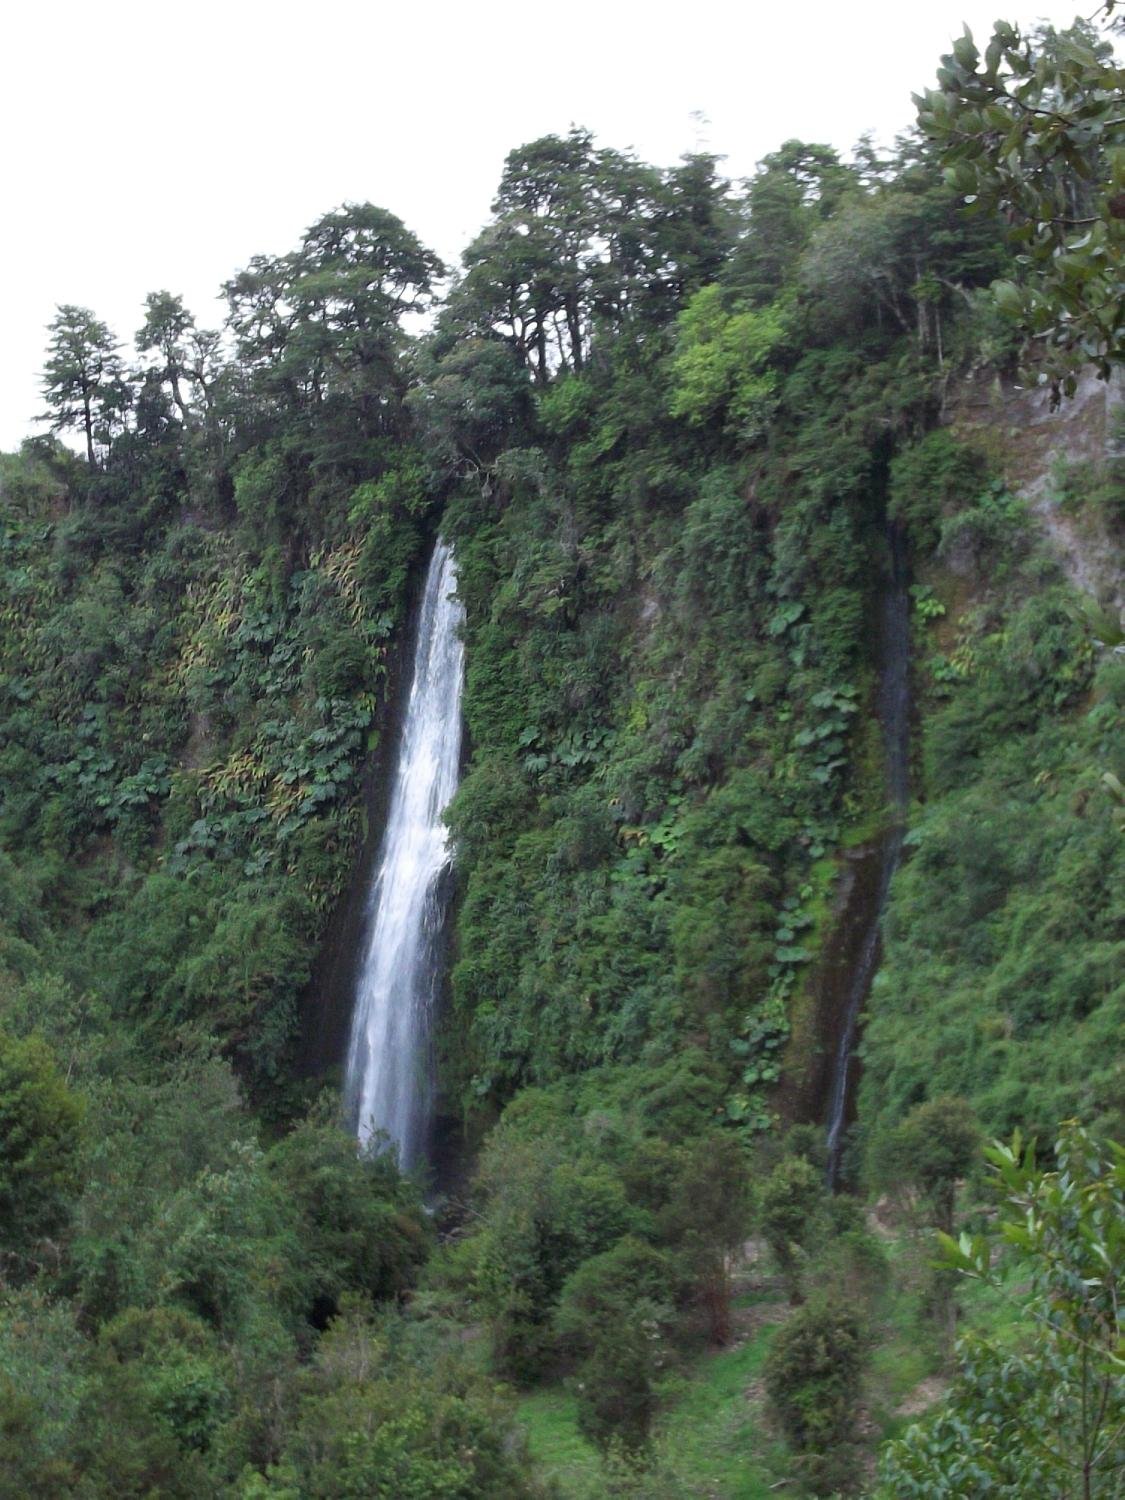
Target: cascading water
pixel 882 856
pixel 389 1078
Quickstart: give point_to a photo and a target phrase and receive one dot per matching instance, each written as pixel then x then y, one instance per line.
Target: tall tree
pixel 583 238
pixel 794 189
pixel 166 329
pixel 323 324
pixel 83 379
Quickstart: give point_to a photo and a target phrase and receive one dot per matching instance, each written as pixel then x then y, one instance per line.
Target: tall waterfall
pixel 389 1079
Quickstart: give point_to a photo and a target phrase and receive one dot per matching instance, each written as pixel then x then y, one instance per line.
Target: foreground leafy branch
pixel 1036 130
pixel 1045 1416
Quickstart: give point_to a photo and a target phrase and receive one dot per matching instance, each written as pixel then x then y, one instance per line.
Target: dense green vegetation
pixel 1005 929
pixel 670 428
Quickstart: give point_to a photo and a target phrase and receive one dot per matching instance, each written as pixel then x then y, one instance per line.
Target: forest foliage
pixel 669 424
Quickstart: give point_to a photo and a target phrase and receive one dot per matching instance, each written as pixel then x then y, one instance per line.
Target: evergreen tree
pixel 83 380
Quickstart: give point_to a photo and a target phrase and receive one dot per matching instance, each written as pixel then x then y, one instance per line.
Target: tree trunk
pixel 177 395
pixel 574 328
pixel 88 423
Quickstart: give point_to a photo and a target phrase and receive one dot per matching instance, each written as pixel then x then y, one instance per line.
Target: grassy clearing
pixel 712 1431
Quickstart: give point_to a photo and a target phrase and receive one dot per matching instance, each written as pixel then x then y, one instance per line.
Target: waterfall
pixel 389 1078
pixel 885 852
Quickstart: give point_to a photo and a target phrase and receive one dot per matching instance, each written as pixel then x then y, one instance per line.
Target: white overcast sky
pixel 151 145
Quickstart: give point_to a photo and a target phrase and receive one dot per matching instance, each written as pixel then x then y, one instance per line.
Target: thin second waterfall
pixel 883 854
pixel 389 1079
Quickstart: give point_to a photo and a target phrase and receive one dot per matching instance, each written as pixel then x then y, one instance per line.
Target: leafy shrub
pixel 788 1205
pixel 40 1139
pixel 813 1373
pixel 612 1311
pixel 718 369
pixel 377 1421
pixel 930 481
pixel 360 1225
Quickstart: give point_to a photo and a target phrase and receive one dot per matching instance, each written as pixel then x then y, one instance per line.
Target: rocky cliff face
pixel 1055 459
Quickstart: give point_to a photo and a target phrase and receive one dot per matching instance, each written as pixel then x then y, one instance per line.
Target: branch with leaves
pixel 1045 1415
pixel 1035 129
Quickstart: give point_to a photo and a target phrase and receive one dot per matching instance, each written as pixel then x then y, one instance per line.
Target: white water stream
pixel 389 1079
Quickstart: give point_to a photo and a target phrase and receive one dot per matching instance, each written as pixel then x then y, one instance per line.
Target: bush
pixel 929 1152
pixel 1041 1411
pixel 613 1310
pixel 930 481
pixel 361 1226
pixel 788 1206
pixel 813 1374
pixel 377 1420
pixel 40 1139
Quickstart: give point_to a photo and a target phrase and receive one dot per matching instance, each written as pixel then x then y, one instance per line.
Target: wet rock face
pixel 853 948
pixel 1033 444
